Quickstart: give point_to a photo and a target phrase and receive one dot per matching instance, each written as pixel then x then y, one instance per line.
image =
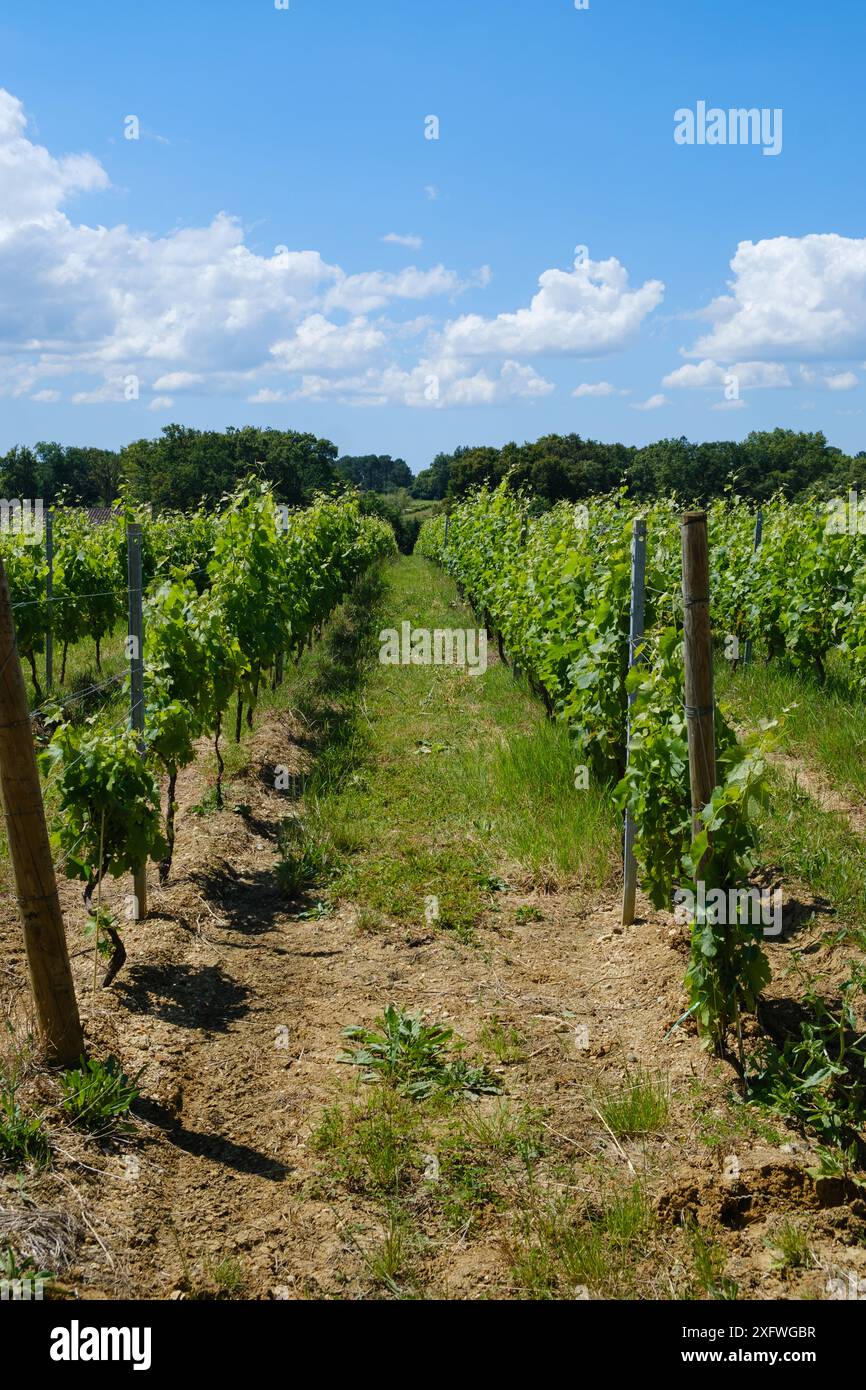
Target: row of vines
pixel 554 586
pixel 228 597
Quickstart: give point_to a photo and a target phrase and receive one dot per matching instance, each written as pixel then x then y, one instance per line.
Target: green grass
pixel 790 1246
pixel 22 1137
pixel 639 1104
pixel 565 1250
pixel 433 783
pixel 823 724
pixel 815 847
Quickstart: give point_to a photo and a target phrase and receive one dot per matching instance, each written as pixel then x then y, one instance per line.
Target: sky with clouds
pixel 284 243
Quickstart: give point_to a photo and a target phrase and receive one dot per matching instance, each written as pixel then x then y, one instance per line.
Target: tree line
pixel 567 467
pixel 184 467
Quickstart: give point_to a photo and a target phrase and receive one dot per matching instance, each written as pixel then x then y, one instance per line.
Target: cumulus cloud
pixel 751 375
pixel 653 403
pixel 435 383
pixel 198 310
pixel 801 298
pixel 587 311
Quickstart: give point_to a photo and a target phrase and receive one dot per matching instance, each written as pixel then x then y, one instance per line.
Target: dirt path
pixel 234 1006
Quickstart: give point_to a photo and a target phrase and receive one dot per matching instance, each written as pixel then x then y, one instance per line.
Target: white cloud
pixel 33 184
pixel 46 397
pixel 584 312
pixel 197 309
pixel 431 191
pixel 319 345
pixel 750 375
pixel 396 239
pixel 435 383
pixel 178 381
pixel 738 404
pixel 597 388
pixel 842 381
pixel 266 397
pixel 654 403
pixel 802 298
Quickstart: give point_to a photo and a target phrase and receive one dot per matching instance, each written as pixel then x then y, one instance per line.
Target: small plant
pixel 229 1277
pixel 305 859
pixel 708 1264
pixel 22 1138
pixel 97 1095
pixel 817 1078
pixel 639 1106
pixel 371 1146
pixel 528 914
pixel 14 1270
pixel 504 1041
pixel 415 1057
pixel 790 1245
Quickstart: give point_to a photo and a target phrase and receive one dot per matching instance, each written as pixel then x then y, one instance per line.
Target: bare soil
pixel 231 1008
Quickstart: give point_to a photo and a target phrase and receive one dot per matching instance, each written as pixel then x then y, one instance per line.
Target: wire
pixel 61 699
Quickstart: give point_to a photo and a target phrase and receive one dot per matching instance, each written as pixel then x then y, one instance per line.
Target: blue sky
pixel 140 280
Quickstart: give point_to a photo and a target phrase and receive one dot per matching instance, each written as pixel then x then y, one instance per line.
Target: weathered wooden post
pixel 700 706
pixel 30 852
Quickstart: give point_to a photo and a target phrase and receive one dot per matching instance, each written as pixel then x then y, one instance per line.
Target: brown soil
pixel 234 1008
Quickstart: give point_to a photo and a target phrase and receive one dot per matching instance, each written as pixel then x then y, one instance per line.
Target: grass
pixel 567 1252
pixel 22 1137
pixel 816 847
pixel 790 1246
pixel 639 1105
pixel 504 1041
pixel 823 724
pixel 708 1260
pixel 435 783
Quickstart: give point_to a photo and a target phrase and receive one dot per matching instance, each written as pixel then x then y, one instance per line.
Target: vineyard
pixel 360 870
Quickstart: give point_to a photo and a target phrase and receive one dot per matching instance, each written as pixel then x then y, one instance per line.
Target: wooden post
pixel 49 594
pixel 700 707
pixel 136 678
pixel 635 634
pixel 30 852
pixel 759 531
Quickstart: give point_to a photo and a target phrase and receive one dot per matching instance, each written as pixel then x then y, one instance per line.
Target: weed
pixel 564 1250
pixel 229 1277
pixel 415 1057
pixel 306 857
pixel 98 1095
pixel 22 1138
pixel 790 1245
pixel 371 1146
pixel 817 1078
pixel 708 1264
pixel 639 1105
pixel 504 1041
